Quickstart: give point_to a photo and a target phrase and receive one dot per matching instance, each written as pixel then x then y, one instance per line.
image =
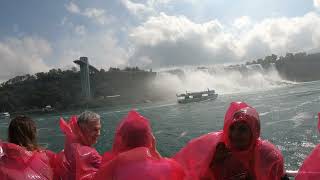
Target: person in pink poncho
pixel 134 154
pixel 310 168
pixel 235 153
pixel 79 160
pixel 22 158
pixel 133 131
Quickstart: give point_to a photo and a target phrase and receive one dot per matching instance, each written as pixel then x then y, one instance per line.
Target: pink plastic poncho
pixel 310 168
pixel 261 160
pixel 78 161
pixel 132 125
pixel 128 160
pixel 138 163
pixel 18 163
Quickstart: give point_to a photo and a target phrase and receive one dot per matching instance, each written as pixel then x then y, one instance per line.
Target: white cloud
pixel 93 12
pixel 72 8
pixel 145 8
pixel 137 9
pixel 154 3
pixel 102 49
pixel 80 30
pixel 175 40
pixel 316 3
pixel 16 28
pixel 281 35
pixel 97 15
pixel 64 21
pixel 169 40
pixel 22 56
pixel 242 22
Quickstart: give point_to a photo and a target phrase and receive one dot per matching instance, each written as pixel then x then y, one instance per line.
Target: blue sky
pixel 37 35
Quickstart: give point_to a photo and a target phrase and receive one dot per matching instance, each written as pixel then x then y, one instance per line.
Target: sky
pixel 38 35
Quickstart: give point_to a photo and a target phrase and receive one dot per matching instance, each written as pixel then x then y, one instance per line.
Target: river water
pixel 288 118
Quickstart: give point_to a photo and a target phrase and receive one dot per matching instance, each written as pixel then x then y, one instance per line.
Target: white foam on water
pixel 44 145
pixel 280 147
pixel 301 105
pixel 118 111
pixel 140 108
pixel 40 119
pixel 183 134
pixel 297 119
pixel 159 106
pixel 283 109
pixel 158 132
pixel 40 129
pixel 43 130
pixel 308 144
pixel 264 113
pixel 300 117
pixel 276 122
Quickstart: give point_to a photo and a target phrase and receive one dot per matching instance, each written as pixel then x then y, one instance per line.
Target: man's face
pixel 92 131
pixel 240 135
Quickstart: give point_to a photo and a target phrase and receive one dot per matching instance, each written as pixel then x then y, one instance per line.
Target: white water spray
pixel 223 79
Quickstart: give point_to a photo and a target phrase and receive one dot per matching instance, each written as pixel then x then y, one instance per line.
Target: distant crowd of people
pixel 235 153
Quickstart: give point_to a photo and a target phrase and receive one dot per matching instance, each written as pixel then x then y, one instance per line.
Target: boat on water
pixel 4 114
pixel 189 97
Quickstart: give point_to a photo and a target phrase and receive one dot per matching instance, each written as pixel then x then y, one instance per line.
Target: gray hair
pixel 88 116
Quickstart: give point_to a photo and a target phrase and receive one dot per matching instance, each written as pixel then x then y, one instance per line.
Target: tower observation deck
pixel 85 70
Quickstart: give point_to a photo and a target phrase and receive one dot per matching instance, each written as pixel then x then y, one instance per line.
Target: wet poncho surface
pixel 18 163
pixel 129 133
pixel 134 154
pixel 310 168
pixel 78 161
pixel 138 163
pixel 261 161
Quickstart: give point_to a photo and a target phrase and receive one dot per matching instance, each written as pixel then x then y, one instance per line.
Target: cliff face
pixel 299 67
pixel 132 86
